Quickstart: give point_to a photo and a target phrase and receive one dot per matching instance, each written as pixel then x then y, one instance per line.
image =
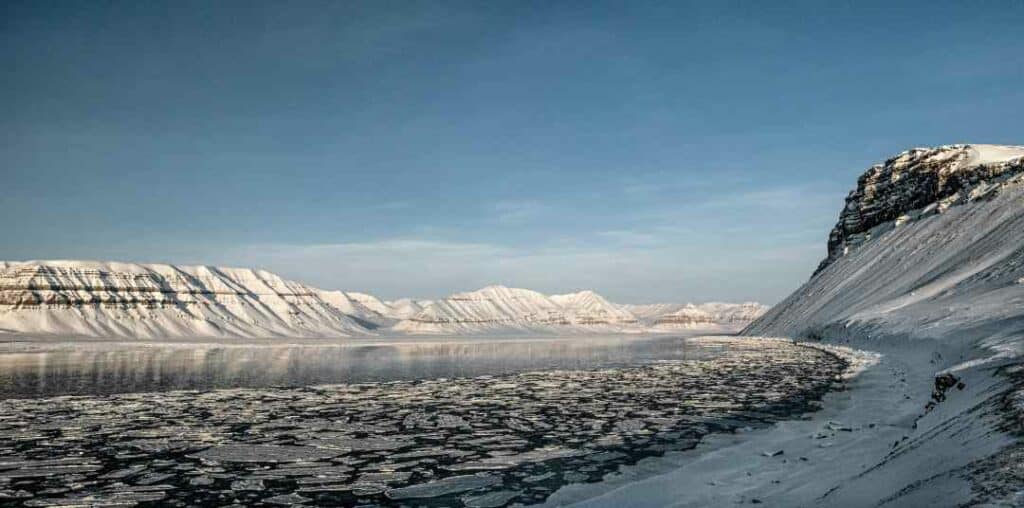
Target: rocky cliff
pixel 920 182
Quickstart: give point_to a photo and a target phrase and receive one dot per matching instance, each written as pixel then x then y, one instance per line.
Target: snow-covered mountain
pixel 489 308
pixel 127 300
pixel 927 226
pixel 734 313
pixel 110 299
pixel 689 315
pixel 649 313
pixel 589 308
pixel 925 265
pixel 405 308
pixel 504 309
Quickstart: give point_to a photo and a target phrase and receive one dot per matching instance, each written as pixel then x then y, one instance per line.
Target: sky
pixel 652 151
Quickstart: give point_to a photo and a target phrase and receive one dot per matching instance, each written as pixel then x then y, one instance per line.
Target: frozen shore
pixel 870 445
pixel 926 267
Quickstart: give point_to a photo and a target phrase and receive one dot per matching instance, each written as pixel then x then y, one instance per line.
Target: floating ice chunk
pixel 443 487
pixel 287 499
pixel 360 444
pixel 264 453
pixel 247 484
pixel 388 478
pixel 510 461
pixel 35 472
pixel 629 426
pixel 495 499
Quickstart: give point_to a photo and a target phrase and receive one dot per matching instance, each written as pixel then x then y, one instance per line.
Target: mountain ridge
pixel 133 300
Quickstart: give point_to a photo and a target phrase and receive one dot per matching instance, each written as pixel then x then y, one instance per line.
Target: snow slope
pixel 405 308
pixel 649 313
pixel 587 307
pixel 688 315
pixel 127 300
pixel 511 310
pixel 926 267
pixel 110 299
pixel 489 309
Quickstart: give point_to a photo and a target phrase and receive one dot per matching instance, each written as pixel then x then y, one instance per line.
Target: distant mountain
pixel 146 301
pixel 589 308
pixel 128 300
pixel 649 313
pixel 487 309
pixel 406 308
pixel 688 315
pixel 503 309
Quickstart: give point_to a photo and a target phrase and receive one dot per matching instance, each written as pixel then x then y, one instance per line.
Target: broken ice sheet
pixel 382 442
pixel 510 461
pixel 264 453
pixel 445 486
pixel 495 499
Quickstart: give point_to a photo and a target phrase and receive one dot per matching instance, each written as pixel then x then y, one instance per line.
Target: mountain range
pixel 129 300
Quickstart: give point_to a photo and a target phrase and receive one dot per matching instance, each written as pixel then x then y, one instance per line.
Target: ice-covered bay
pixel 477 440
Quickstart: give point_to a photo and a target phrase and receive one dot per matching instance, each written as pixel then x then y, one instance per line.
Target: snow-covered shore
pixel 868 446
pixel 925 267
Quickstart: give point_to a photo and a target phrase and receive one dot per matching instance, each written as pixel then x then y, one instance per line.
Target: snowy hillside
pixel 688 315
pixel 405 308
pixel 926 265
pixel 589 308
pixel 150 301
pixel 649 313
pixel 503 309
pixel 922 235
pixel 487 309
pixel 126 300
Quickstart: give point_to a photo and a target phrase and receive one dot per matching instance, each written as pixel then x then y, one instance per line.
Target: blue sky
pixel 653 151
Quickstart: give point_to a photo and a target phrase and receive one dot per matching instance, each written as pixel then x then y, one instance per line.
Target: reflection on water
pixel 100 368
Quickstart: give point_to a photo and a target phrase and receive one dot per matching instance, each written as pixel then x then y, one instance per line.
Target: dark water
pixel 32 370
pixel 434 424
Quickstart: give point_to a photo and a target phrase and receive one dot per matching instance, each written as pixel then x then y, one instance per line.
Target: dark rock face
pixel 907 186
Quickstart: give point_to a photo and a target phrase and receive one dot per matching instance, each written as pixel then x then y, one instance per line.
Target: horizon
pixel 651 153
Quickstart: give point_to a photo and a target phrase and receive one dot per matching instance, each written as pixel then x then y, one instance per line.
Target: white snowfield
pixel 934 290
pixel 152 301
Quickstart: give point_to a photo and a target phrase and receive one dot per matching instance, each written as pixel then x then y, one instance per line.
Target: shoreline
pixel 871 444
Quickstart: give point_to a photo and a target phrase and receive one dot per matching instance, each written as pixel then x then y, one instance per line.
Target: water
pixel 47 369
pixel 408 423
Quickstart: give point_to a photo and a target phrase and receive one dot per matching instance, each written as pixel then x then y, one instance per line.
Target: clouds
pixel 625 267
pixel 727 244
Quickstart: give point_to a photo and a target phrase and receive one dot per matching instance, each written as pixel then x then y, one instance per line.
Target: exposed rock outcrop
pixel 917 183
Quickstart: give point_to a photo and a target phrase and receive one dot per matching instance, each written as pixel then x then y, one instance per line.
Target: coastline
pixel 871 444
